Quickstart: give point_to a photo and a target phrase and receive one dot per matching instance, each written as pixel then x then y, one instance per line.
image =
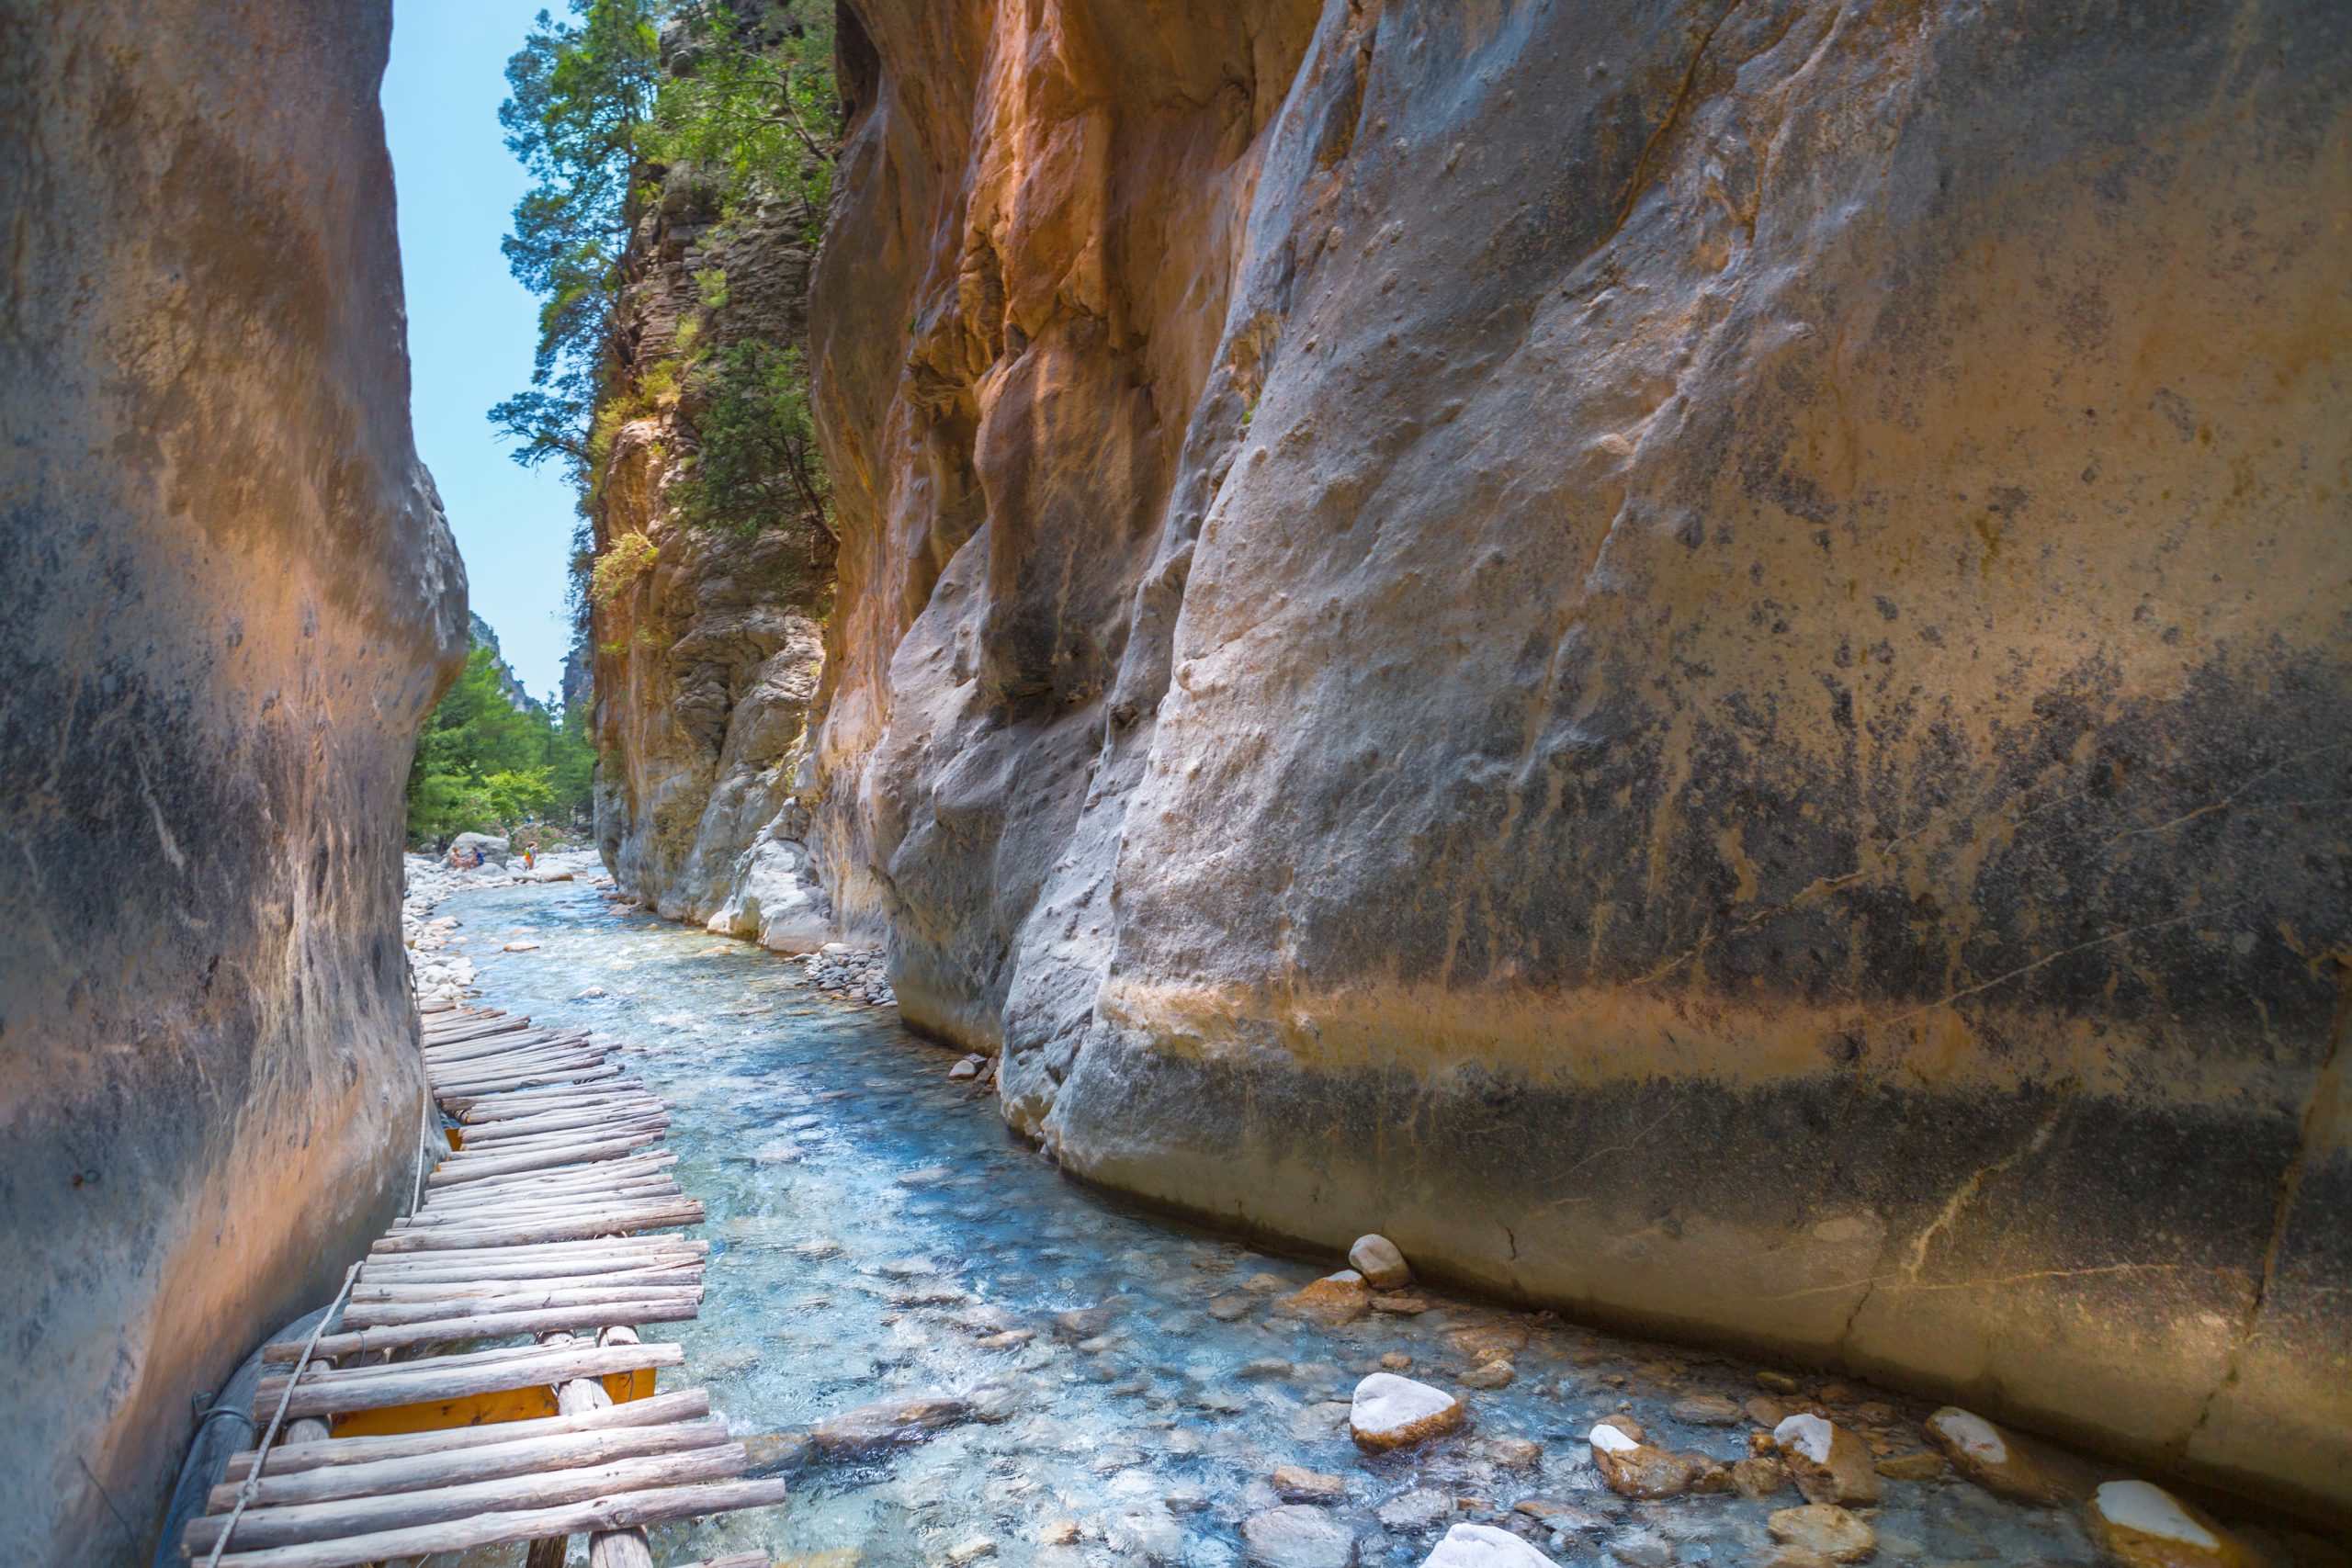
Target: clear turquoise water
pixel 872 1222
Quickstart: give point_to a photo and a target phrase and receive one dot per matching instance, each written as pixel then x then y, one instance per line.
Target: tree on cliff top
pixel 582 91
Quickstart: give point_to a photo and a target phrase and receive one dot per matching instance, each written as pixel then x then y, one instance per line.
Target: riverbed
pixel 1114 1388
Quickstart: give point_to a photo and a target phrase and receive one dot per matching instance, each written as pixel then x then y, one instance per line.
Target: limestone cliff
pixel 1692 653
pixel 227 598
pixel 707 642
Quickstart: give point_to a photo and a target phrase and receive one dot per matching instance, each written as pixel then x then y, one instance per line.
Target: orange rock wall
pixel 1692 654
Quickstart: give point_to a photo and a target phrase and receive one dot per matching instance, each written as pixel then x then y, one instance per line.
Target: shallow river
pixel 876 1234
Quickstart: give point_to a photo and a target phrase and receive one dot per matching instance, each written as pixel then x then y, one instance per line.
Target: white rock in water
pixel 1484 1546
pixel 1807 1435
pixel 1382 1265
pixel 1610 1440
pixel 1389 1412
pixel 2151 1510
pixel 1298 1536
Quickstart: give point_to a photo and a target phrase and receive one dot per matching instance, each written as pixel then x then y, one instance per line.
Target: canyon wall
pixel 227 599
pixel 1691 653
pixel 706 643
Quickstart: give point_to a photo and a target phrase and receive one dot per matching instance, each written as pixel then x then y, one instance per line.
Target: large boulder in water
pixel 227 597
pixel 494 850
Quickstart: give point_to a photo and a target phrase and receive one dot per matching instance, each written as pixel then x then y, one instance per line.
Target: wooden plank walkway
pixel 404 1437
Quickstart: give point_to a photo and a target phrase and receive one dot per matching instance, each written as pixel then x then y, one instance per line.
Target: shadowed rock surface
pixel 1690 655
pixel 227 598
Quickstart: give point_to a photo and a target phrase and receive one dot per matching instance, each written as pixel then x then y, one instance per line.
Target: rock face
pixel 227 599
pixel 706 662
pixel 1692 653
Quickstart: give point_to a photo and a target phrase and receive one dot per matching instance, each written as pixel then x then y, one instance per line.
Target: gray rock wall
pixel 1691 653
pixel 227 598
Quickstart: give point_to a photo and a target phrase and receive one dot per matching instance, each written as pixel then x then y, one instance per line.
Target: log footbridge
pixel 403 1437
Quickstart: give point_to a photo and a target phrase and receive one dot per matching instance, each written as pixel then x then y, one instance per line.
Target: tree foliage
pixel 481 763
pixel 748 104
pixel 581 91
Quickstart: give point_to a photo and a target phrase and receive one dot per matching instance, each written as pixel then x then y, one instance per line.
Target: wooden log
pixel 647 1190
pixel 417 1383
pixel 685 1404
pixel 605 1129
pixel 511 1048
pixel 504 1045
pixel 456 1172
pixel 300 1523
pixel 626 1168
pixel 469 1198
pixel 620 1304
pixel 457 1467
pixel 486 1195
pixel 676 1274
pixel 522 1263
pixel 498 1324
pixel 478 1030
pixel 493 1111
pixel 571 1124
pixel 566 1122
pixel 464 1096
pixel 584 1206
pixel 480 1107
pixel 609 1253
pixel 460 1049
pixel 604 1223
pixel 544 1095
pixel 460 1078
pixel 625 1510
pixel 475 1089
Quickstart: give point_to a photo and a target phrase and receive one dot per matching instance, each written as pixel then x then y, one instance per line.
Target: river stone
pixel 1828 1463
pixel 1296 1484
pixel 1389 1412
pixel 1991 1457
pixel 1383 1267
pixel 1825 1529
pixel 1706 1410
pixel 2141 1525
pixel 1484 1546
pixel 1633 1469
pixel 1331 1301
pixel 1149 1531
pixel 1924 1464
pixel 1497 1373
pixel 1416 1509
pixel 1297 1537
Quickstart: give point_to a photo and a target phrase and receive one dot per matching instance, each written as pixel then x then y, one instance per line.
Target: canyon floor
pixel 962 1356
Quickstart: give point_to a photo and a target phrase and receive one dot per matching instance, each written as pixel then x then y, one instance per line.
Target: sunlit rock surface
pixel 1692 656
pixel 706 659
pixel 227 597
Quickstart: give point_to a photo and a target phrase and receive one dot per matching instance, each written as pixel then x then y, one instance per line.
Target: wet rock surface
pixel 1117 1419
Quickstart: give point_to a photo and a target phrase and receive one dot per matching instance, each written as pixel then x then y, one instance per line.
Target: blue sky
pixel 470 326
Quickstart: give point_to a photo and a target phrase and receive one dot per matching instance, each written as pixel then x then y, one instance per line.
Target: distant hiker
pixel 530 853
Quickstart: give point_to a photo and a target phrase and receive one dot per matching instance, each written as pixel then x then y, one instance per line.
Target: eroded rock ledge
pixel 1692 654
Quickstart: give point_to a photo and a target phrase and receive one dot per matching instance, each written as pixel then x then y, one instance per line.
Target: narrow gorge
pixel 1674 673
